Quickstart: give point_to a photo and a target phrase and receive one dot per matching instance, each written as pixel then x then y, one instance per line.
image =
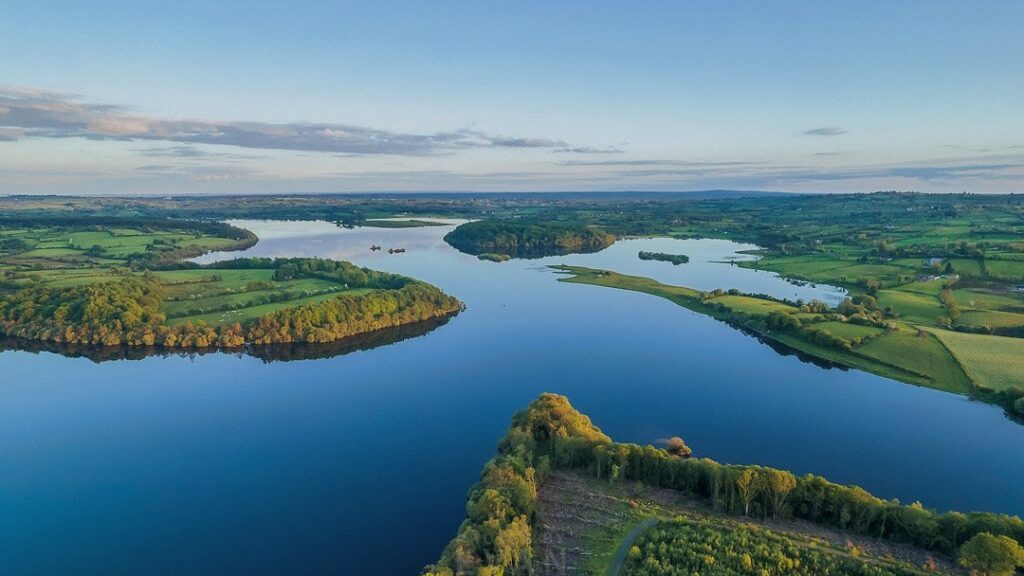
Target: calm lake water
pixel 359 463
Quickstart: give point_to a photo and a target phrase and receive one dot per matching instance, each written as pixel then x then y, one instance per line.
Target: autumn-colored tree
pixel 992 555
pixel 677 447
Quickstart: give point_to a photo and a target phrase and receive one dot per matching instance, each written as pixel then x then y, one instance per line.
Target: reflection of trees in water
pixel 283 352
pixel 784 350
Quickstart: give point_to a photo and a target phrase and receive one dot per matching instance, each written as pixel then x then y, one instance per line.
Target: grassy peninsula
pixel 526 239
pixel 561 497
pixel 859 333
pixel 115 282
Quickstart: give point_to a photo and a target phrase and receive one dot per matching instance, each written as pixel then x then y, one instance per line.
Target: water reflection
pixel 268 353
pixel 159 466
pixel 289 239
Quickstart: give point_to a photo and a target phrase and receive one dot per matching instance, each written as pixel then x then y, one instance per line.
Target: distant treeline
pixel 676 259
pixel 127 311
pixel 495 538
pixel 527 239
pixel 102 223
pixel 165 256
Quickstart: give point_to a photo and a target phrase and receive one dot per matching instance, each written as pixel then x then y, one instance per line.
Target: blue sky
pixel 204 97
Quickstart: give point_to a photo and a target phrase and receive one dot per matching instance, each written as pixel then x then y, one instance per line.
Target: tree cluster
pixel 527 239
pixel 684 548
pixel 676 259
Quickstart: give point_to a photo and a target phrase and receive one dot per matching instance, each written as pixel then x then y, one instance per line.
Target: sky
pixel 263 97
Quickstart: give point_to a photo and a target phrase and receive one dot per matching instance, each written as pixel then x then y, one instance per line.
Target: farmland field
pixel 993 362
pixel 913 306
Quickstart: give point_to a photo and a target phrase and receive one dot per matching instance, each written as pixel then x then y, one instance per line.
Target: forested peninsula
pixel 507 528
pixel 526 239
pixel 116 282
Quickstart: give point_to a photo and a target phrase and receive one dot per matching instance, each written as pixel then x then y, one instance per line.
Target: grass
pixel 913 306
pixel 1005 269
pixel 986 299
pixel 849 331
pixel 244 314
pixel 753 306
pixel 992 362
pixel 49 248
pixel 925 287
pixel 603 541
pixel 922 354
pixel 832 268
pixel 222 296
pixel 993 318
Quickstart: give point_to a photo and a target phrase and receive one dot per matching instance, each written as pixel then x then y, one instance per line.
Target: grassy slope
pixel 913 306
pixel 849 331
pixel 900 355
pixel 992 362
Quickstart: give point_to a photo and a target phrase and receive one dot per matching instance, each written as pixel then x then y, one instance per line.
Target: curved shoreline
pixel 129 309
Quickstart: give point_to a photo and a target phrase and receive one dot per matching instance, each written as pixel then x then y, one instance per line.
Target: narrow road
pixel 620 556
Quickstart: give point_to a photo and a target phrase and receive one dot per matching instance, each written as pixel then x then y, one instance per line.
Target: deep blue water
pixel 359 464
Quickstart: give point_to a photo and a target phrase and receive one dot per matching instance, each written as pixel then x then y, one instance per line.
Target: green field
pixel 218 296
pixel 849 331
pixel 986 299
pixel 67 256
pixel 921 354
pixel 246 313
pixel 993 318
pixel 753 306
pixel 992 362
pixel 110 245
pixel 913 306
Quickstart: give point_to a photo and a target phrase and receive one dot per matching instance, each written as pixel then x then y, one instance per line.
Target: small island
pixel 527 239
pixel 676 259
pixel 492 257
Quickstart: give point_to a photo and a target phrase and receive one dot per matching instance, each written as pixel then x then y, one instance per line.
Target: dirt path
pixel 620 555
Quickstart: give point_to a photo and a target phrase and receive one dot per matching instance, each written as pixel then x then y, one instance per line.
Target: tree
pixel 286 272
pixel 992 555
pixel 748 484
pixel 513 544
pixel 780 484
pixel 677 447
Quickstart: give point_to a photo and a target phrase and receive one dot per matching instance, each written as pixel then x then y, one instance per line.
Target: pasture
pixel 992 362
